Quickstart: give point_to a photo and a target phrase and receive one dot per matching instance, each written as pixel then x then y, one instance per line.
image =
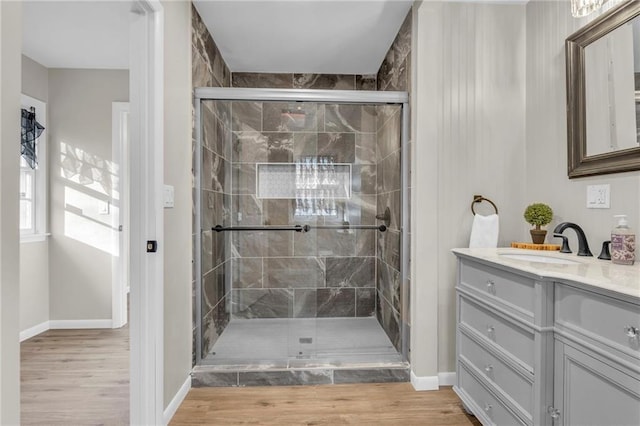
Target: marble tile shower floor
pixel 303 342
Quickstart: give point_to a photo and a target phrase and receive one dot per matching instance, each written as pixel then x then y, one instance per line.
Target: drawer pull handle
pixel 491 287
pixel 487 407
pixel 553 412
pixel 488 368
pixel 632 332
pixel 491 330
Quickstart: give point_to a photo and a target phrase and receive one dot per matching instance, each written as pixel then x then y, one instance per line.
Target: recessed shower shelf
pixel 312 180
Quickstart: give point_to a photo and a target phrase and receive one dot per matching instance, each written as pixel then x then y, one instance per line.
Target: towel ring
pixel 479 199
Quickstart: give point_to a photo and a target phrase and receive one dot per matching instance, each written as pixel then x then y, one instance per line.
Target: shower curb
pixel 223 377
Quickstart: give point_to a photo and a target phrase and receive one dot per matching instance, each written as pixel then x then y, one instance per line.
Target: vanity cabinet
pixel 503 327
pixel 597 358
pixel 533 350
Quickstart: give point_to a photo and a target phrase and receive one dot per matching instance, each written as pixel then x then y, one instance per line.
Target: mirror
pixel 603 94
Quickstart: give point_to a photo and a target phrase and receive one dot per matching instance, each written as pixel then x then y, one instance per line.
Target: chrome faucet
pixel 583 245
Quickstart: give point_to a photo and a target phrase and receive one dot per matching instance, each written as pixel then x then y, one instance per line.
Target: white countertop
pixel 624 279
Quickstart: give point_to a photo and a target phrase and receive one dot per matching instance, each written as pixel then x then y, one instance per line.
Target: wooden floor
pixel 75 377
pixel 361 404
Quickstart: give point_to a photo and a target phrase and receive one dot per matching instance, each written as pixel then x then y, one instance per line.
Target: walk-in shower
pixel 300 207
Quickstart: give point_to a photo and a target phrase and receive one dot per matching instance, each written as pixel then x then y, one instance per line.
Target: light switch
pixel 168 196
pixel 598 196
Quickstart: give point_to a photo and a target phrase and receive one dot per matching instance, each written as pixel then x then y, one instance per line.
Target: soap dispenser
pixel 623 242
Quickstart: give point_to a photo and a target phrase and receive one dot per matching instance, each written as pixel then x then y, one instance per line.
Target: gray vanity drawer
pixel 598 317
pixel 494 370
pixel 492 409
pixel 512 338
pixel 508 288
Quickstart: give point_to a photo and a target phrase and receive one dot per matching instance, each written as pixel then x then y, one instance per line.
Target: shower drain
pixel 306 340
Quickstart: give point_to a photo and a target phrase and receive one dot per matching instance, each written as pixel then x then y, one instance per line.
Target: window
pixel 33 182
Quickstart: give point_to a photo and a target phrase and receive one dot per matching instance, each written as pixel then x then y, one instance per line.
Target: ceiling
pixel 77 34
pixel 306 36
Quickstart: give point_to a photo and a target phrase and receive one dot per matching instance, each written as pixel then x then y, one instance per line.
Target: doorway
pixel 146 28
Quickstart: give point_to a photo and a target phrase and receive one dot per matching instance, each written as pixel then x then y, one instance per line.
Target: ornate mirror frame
pixel 579 164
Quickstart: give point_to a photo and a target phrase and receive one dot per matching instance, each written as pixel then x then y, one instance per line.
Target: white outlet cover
pixel 599 196
pixel 168 196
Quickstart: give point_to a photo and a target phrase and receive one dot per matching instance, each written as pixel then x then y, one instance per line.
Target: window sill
pixel 33 238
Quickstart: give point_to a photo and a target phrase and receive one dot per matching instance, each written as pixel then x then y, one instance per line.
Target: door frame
pixel 146 76
pixel 120 222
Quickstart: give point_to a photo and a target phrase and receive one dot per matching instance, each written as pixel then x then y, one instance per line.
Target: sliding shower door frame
pixel 306 95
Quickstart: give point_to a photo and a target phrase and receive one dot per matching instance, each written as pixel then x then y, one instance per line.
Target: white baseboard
pixel 34 331
pixel 173 406
pixel 69 324
pixel 425 383
pixel 447 378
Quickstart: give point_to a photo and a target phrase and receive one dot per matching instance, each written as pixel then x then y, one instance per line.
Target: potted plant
pixel 538 214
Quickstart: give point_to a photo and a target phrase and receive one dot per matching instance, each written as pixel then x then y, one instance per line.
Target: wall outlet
pixel 599 196
pixel 168 196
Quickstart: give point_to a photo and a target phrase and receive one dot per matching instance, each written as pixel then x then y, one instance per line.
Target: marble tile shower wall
pixel 394 74
pixel 210 70
pixel 321 273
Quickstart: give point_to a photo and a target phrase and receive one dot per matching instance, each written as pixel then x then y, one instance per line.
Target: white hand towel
pixel 484 231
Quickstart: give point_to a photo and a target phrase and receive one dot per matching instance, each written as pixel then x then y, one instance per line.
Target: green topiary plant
pixel 538 214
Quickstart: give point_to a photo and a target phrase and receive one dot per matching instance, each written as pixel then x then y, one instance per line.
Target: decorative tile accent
pixel 311 179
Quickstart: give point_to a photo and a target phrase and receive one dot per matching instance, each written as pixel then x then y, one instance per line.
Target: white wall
pixel 10 47
pixel 470 140
pixel 548 25
pixel 34 256
pixel 81 173
pixel 177 221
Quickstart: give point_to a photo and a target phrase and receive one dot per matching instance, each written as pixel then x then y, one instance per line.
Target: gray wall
pixel 548 25
pixel 80 180
pixel 10 47
pixel 34 281
pixel 177 220
pixel 470 139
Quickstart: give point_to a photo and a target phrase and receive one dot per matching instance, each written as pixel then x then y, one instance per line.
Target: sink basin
pixel 539 258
